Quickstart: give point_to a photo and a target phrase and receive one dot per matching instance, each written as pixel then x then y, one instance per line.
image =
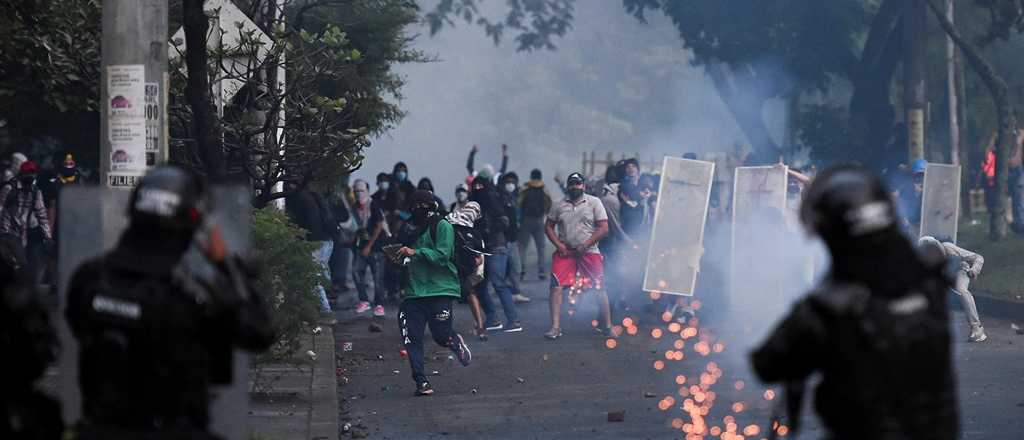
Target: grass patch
pixel 1004 260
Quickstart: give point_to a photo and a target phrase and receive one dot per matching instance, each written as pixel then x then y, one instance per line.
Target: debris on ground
pixel 346 346
pixel 435 373
pixel 375 328
pixel 473 391
pixel 395 371
pixel 616 416
pixel 1017 328
pixel 649 395
pixel 520 380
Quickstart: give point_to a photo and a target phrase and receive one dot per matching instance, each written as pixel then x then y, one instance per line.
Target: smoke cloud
pixel 613 84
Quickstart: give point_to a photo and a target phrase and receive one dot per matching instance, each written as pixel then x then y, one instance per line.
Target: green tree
pixel 49 73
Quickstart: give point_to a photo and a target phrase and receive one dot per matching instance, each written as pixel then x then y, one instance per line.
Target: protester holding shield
pixel 575 226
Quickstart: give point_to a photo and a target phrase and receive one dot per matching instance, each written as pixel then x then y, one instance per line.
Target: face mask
pixel 575 193
pixel 420 214
pixel 510 187
pixel 401 175
pixel 461 196
pixel 362 196
pixel 385 185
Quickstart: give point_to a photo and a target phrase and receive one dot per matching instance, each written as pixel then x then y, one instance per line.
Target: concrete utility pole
pixel 951 90
pixel 914 97
pixel 133 90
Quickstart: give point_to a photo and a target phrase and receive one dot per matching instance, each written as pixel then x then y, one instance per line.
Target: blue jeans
pixel 322 256
pixel 496 270
pixel 515 267
pixel 375 264
pixel 1016 187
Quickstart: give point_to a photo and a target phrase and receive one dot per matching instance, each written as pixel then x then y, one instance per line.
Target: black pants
pixel 413 317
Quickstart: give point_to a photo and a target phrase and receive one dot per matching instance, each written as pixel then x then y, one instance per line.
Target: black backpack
pixel 533 203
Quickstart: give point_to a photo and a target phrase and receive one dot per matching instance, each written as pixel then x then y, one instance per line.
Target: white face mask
pixel 461 196
pixel 510 187
pixel 385 185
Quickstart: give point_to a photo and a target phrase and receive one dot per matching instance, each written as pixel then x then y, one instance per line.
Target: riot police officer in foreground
pixel 152 337
pixel 876 328
pixel 29 344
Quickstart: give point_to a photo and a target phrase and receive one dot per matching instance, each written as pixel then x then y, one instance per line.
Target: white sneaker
pixel 520 298
pixel 977 335
pixel 362 307
pixel 379 311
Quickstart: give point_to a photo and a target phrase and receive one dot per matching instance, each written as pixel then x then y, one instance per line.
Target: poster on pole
pixel 153 125
pixel 126 123
pixel 940 201
pixel 758 225
pixel 677 237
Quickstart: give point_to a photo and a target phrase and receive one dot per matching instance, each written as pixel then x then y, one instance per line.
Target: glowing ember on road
pixel 738 385
pixel 738 407
pixel 675 327
pixel 769 394
pixel 659 365
pixel 611 343
pixel 680 379
pixel 626 322
pixel 679 344
pixel 656 333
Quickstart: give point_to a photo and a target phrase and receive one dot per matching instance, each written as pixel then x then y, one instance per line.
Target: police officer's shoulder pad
pixel 841 299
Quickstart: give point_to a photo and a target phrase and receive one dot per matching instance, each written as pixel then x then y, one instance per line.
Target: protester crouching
pixel 966 266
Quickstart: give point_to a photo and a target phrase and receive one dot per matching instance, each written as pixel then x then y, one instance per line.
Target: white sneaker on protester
pixel 519 298
pixel 977 335
pixel 379 311
pixel 362 307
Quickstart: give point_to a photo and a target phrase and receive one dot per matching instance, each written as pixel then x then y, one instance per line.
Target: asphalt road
pixel 522 386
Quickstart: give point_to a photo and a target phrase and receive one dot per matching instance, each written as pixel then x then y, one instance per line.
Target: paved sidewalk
pixel 301 402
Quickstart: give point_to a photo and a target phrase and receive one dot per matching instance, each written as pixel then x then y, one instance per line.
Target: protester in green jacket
pixel 433 284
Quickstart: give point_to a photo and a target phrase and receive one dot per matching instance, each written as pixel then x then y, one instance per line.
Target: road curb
pixel 323 418
pixel 996 308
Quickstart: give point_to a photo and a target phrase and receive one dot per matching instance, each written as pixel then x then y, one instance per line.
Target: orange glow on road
pixel 675 327
pixel 659 365
pixel 626 322
pixel 738 407
pixel 632 330
pixel 738 385
pixel 769 394
pixel 667 316
pixel 680 379
pixel 656 333
pixel 679 344
pixel 655 295
pixel 611 343
pixel 751 430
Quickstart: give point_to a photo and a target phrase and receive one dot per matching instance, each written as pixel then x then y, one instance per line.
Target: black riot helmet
pixel 847 203
pixel 169 198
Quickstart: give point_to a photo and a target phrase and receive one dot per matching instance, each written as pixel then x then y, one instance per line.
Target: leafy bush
pixel 288 279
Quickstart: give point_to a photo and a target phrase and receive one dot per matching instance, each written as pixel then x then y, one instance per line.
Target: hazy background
pixel 613 84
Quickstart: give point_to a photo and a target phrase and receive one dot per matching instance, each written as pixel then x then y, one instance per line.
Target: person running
pixel 534 204
pixel 968 266
pixel 575 226
pixel 430 288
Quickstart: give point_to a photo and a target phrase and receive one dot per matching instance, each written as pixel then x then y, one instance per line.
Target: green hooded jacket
pixel 431 271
